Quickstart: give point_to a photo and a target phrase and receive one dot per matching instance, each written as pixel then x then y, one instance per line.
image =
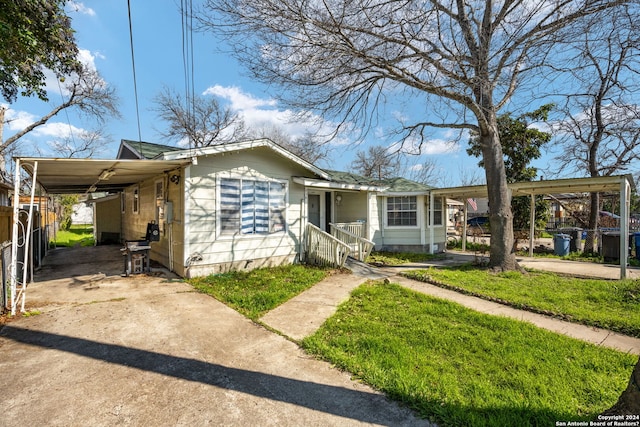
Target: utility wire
pixel 133 65
pixel 186 12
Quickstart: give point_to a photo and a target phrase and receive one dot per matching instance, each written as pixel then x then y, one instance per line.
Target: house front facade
pixel 247 205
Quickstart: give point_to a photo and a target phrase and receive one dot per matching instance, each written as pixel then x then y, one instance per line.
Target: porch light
pixel 106 174
pixel 338 199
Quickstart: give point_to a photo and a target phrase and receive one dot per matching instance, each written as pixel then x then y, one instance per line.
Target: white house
pixel 247 204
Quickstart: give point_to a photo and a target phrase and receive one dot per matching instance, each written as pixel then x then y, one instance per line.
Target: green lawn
pixel 459 367
pixel 77 235
pixel 610 304
pixel 255 292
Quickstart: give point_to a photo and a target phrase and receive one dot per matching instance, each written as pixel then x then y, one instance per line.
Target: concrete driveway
pixel 148 350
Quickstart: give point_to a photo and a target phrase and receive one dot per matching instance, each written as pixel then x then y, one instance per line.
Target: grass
pixel 77 235
pixel 396 258
pixel 255 292
pixel 459 367
pixel 610 304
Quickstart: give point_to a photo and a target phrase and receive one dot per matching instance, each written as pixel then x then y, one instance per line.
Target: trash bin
pixel 636 241
pixel 575 233
pixel 610 245
pixel 561 244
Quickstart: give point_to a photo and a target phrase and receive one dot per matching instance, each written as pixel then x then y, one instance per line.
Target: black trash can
pixel 610 245
pixel 636 241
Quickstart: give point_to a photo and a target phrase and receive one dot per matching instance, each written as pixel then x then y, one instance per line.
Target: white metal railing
pixel 323 249
pixel 357 227
pixel 359 246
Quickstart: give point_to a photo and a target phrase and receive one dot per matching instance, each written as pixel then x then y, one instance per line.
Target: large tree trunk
pixel 629 401
pixel 589 243
pixel 502 257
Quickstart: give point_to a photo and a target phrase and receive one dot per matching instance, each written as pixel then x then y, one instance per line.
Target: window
pixel 251 207
pixel 402 211
pixel 136 200
pixel 159 202
pixel 437 211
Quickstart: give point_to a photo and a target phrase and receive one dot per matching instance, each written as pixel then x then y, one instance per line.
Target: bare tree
pixel 87 92
pixel 200 121
pixel 426 171
pixel 84 145
pixel 377 162
pixel 602 125
pixel 307 146
pixel 465 57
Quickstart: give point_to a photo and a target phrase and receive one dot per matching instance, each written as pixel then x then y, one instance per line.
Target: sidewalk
pixel 305 313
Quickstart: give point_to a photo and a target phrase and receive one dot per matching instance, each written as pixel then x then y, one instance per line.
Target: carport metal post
pixel 532 223
pixel 431 218
pixel 15 297
pixel 624 226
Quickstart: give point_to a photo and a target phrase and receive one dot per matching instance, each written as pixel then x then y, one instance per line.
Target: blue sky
pixel 102 32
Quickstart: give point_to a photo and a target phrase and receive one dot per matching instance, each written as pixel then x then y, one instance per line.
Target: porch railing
pixel 357 227
pixel 360 247
pixel 324 249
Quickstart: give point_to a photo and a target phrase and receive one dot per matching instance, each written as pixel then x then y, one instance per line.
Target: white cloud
pixel 239 100
pixel 259 113
pixel 18 120
pixel 81 8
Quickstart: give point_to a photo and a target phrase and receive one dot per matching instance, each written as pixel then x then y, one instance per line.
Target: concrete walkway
pixel 304 314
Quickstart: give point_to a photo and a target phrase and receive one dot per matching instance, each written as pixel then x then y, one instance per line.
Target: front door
pixel 314 210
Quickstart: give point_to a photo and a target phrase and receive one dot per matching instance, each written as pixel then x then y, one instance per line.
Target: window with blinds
pixel 251 207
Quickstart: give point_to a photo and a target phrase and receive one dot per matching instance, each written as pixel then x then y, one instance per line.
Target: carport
pixel 621 184
pixel 71 176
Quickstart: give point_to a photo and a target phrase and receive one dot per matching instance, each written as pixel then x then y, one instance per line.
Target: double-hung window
pixel 251 207
pixel 402 211
pixel 437 211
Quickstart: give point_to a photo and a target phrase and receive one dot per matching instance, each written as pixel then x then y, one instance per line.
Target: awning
pixel 78 176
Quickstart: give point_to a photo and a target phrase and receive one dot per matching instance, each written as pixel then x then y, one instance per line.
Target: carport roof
pixel 76 176
pixel 555 186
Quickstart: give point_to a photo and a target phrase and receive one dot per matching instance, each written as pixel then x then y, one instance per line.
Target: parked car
pixel 479 221
pixel 477 226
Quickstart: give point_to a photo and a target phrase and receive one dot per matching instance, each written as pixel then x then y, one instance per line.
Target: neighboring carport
pixel 620 184
pixel 72 176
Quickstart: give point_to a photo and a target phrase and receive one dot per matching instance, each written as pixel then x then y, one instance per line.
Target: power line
pixel 133 65
pixel 186 12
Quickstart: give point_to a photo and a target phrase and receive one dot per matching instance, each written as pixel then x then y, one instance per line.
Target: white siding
pixel 241 251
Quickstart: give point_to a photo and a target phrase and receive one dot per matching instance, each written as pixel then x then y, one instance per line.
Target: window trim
pixel 442 211
pixel 238 233
pixel 417 211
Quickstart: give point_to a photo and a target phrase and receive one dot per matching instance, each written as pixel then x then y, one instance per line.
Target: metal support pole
pixel 464 226
pixel 431 219
pixel 13 272
pixel 624 226
pixel 532 224
pixel 28 234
